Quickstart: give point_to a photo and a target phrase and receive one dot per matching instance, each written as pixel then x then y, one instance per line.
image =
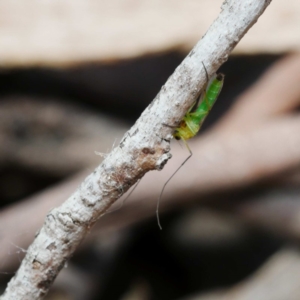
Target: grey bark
pixel 145 147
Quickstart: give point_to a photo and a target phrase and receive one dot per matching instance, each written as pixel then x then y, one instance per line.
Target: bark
pixel 259 112
pixel 144 147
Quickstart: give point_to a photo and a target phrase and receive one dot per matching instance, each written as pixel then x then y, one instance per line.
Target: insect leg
pixel 170 126
pixel 161 193
pixel 123 202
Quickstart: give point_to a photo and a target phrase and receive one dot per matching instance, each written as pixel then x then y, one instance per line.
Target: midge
pixel 193 120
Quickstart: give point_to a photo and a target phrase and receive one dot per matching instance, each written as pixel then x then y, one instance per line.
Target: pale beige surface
pixel 62 32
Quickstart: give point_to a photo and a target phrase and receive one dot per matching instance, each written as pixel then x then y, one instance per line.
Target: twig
pixel 277 124
pixel 145 147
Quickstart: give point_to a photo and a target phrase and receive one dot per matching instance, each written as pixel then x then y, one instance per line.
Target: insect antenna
pixel 162 191
pixel 206 74
pixel 203 93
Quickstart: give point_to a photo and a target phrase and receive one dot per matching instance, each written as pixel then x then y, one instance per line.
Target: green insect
pixel 193 120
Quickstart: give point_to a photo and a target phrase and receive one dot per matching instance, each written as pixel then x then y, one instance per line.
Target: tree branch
pixel 144 147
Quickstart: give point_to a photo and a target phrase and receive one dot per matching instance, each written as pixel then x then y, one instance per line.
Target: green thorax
pixel 209 98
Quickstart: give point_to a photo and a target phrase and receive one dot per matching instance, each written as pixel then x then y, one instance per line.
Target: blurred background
pixel 74 77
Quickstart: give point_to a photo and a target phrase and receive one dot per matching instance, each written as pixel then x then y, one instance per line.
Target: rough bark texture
pixel 144 147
